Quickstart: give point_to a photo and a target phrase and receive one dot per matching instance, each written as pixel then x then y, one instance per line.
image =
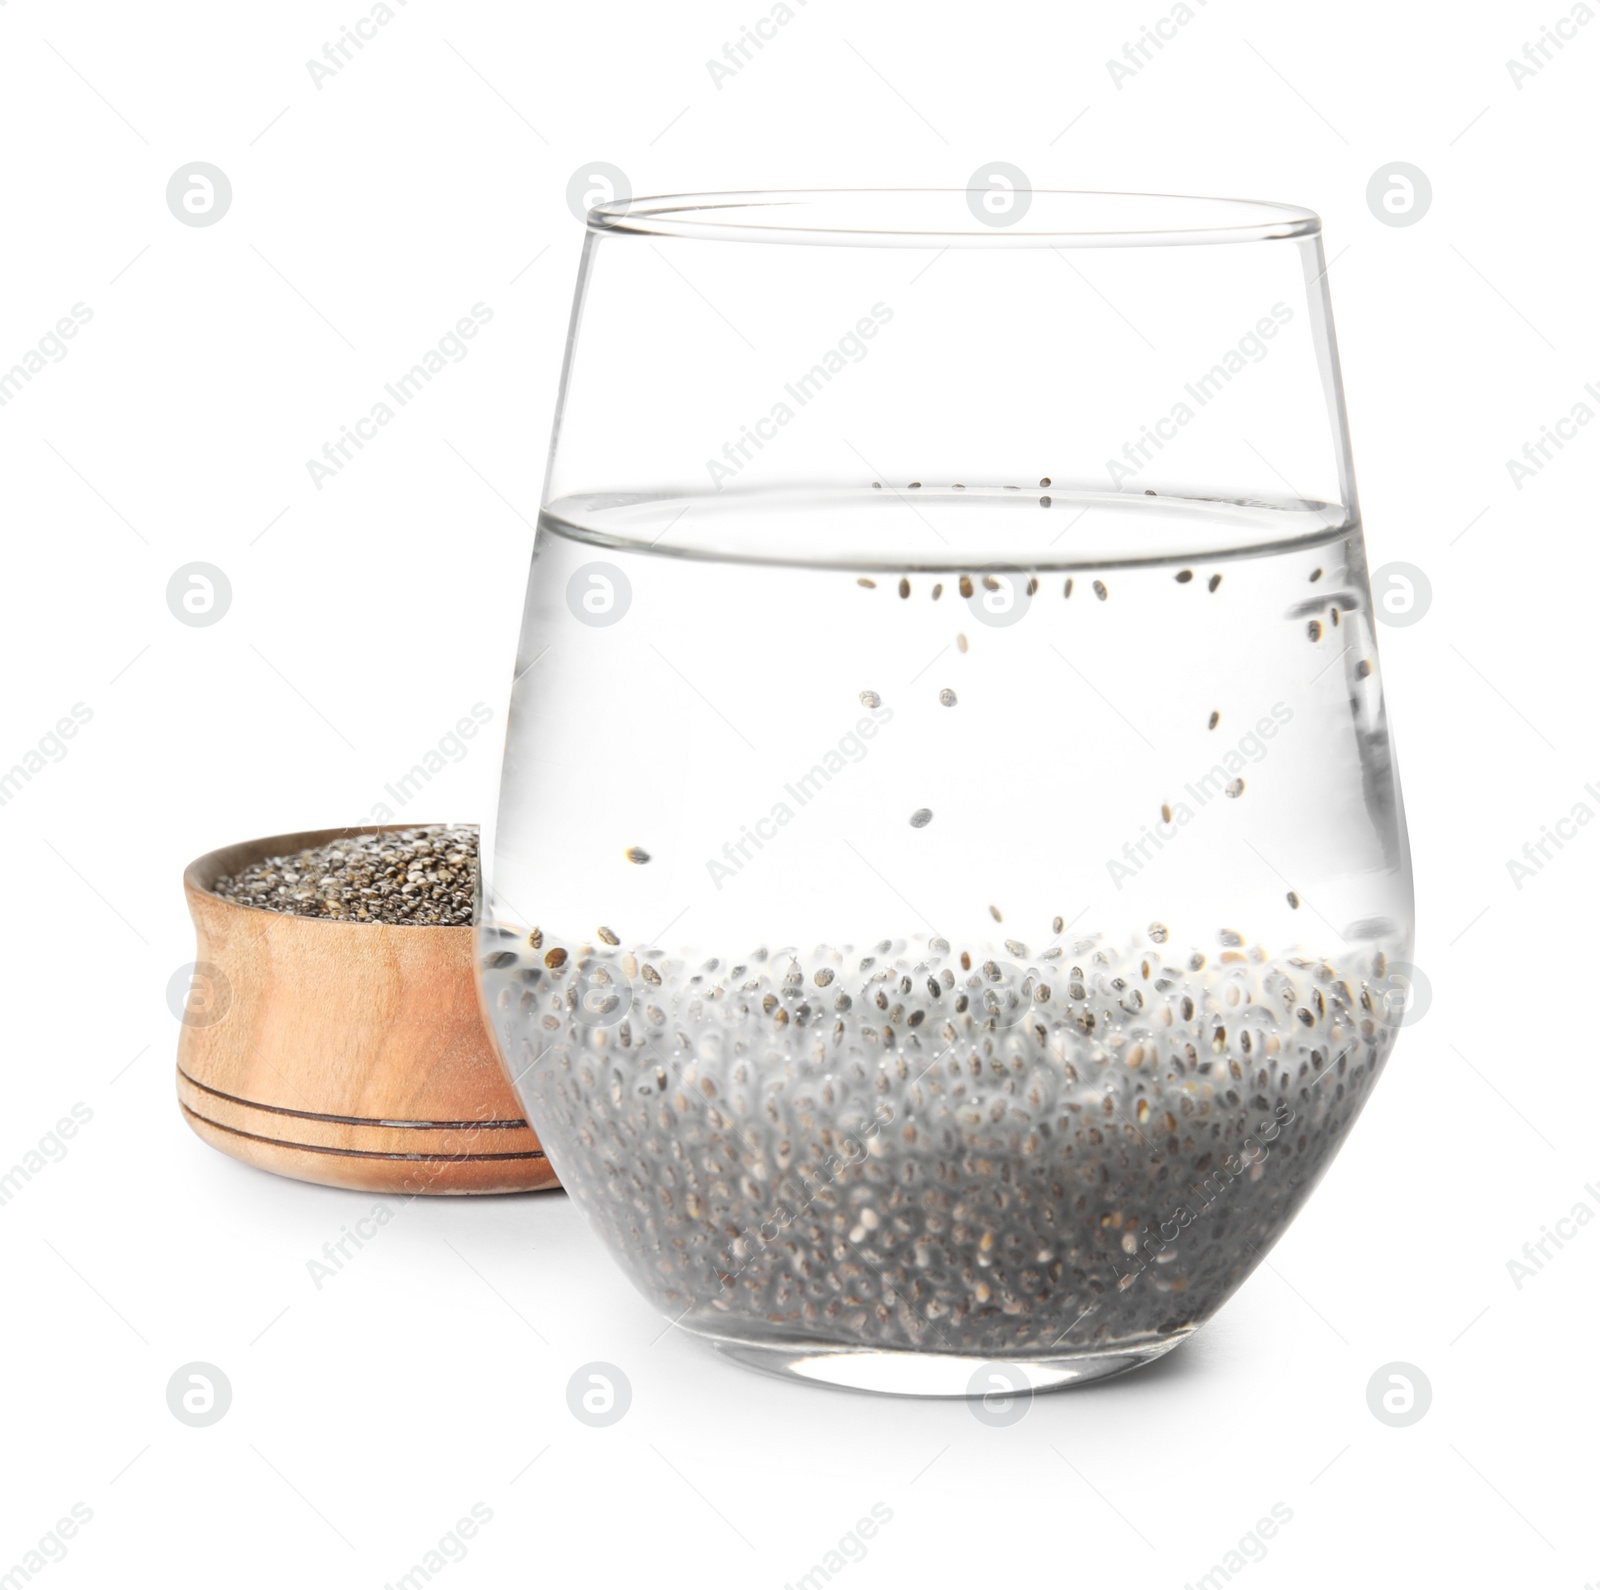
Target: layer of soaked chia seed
pixel 982 1151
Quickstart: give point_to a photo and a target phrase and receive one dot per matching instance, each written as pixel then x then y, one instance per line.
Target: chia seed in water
pixel 1085 1151
pixel 921 1030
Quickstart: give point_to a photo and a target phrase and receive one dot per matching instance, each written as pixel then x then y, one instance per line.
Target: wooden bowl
pixel 353 1054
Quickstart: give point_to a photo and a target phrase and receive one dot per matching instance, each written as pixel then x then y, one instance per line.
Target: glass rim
pixel 950 218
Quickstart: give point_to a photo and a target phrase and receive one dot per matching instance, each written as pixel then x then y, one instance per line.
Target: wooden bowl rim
pixel 204 870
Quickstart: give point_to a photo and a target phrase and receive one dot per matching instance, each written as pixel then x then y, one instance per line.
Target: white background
pixel 368 215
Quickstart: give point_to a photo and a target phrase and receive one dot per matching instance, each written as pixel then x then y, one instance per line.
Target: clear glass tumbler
pixel 949 898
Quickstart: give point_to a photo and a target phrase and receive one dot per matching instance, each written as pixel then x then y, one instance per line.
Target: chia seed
pixel 416 877
pixel 971 1162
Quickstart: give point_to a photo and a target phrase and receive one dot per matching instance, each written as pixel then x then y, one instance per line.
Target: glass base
pixel 911 1374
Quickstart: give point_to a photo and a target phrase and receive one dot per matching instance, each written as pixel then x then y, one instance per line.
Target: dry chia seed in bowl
pixel 414 877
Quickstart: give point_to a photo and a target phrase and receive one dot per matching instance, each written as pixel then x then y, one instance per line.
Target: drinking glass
pixel 949 898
